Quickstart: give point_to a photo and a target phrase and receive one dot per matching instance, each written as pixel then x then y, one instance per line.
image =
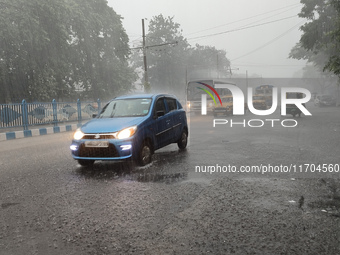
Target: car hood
pixel 110 125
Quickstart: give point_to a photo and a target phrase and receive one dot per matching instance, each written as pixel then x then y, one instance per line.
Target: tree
pixel 320 40
pixel 101 51
pixel 172 61
pixel 34 48
pixel 207 62
pixel 166 54
pixel 50 47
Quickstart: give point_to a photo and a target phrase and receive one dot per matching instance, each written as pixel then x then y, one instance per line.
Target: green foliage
pixel 167 55
pixel 60 48
pixel 320 41
pixel 206 62
pixel 172 60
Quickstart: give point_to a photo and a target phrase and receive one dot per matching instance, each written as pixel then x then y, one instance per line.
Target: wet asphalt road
pixel 51 205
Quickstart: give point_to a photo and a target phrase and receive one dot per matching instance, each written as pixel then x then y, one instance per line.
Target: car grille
pixel 93 152
pixel 101 136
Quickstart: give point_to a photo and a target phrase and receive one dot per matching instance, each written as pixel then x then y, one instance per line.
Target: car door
pixel 175 117
pixel 163 123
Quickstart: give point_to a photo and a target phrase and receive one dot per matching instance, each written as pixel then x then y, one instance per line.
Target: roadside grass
pixel 330 200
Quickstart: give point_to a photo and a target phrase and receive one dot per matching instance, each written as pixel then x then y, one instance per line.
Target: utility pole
pixel 146 82
pixel 218 74
pixel 144 47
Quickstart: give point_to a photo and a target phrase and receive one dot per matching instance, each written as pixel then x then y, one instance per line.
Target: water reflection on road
pixel 169 166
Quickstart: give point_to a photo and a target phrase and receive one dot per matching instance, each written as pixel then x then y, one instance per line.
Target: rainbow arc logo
pixel 209 93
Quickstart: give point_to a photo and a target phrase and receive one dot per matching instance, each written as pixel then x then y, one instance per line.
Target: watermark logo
pixel 208 92
pixel 238 100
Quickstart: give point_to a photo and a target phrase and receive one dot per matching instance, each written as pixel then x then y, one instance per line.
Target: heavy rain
pixel 118 135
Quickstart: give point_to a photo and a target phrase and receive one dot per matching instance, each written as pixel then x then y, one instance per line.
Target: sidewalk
pixel 15 133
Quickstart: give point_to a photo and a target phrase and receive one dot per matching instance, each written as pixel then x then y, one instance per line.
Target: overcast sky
pixel 257 34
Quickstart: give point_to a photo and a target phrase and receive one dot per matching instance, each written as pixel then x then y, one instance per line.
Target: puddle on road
pixel 167 178
pixel 167 167
pixel 150 174
pixel 6 205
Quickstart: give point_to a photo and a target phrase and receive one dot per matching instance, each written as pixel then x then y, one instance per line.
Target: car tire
pixel 145 154
pixel 84 162
pixel 183 141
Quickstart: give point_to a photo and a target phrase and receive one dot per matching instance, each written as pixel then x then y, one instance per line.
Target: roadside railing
pixel 26 114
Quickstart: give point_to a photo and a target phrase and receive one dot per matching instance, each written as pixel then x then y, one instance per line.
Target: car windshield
pixel 126 108
pixel 227 99
pixel 258 98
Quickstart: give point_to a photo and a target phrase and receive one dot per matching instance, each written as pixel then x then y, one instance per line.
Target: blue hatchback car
pixel 131 126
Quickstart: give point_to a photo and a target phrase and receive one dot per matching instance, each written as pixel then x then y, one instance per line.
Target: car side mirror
pixel 159 114
pixel 94 115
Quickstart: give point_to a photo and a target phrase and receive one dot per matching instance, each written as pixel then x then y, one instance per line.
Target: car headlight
pixel 78 135
pixel 127 132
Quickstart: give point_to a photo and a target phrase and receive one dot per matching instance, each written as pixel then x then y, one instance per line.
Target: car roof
pixel 144 96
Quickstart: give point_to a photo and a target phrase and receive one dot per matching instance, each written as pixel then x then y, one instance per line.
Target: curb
pixel 37 132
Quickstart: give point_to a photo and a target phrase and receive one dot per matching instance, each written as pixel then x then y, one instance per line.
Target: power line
pixel 155 45
pixel 275 15
pixel 269 42
pixel 243 28
pixel 270 65
pixel 294 5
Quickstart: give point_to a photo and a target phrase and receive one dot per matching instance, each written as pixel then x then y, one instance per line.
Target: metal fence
pixel 34 114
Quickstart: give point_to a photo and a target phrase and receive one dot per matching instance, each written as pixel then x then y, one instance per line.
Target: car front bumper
pixel 116 150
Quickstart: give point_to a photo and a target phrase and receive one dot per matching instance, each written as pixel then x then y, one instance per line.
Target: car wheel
pixel 84 162
pixel 183 141
pixel 145 154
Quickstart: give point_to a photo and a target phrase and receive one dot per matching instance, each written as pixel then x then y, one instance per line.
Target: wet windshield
pixel 126 108
pixel 227 99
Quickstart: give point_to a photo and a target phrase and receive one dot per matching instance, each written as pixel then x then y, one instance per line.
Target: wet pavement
pixel 52 205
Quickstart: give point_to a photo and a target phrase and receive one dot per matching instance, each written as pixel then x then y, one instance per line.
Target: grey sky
pixel 257 35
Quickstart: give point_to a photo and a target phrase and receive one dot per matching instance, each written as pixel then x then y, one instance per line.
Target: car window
pixel 126 108
pixel 179 105
pixel 172 105
pixel 227 99
pixel 160 105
